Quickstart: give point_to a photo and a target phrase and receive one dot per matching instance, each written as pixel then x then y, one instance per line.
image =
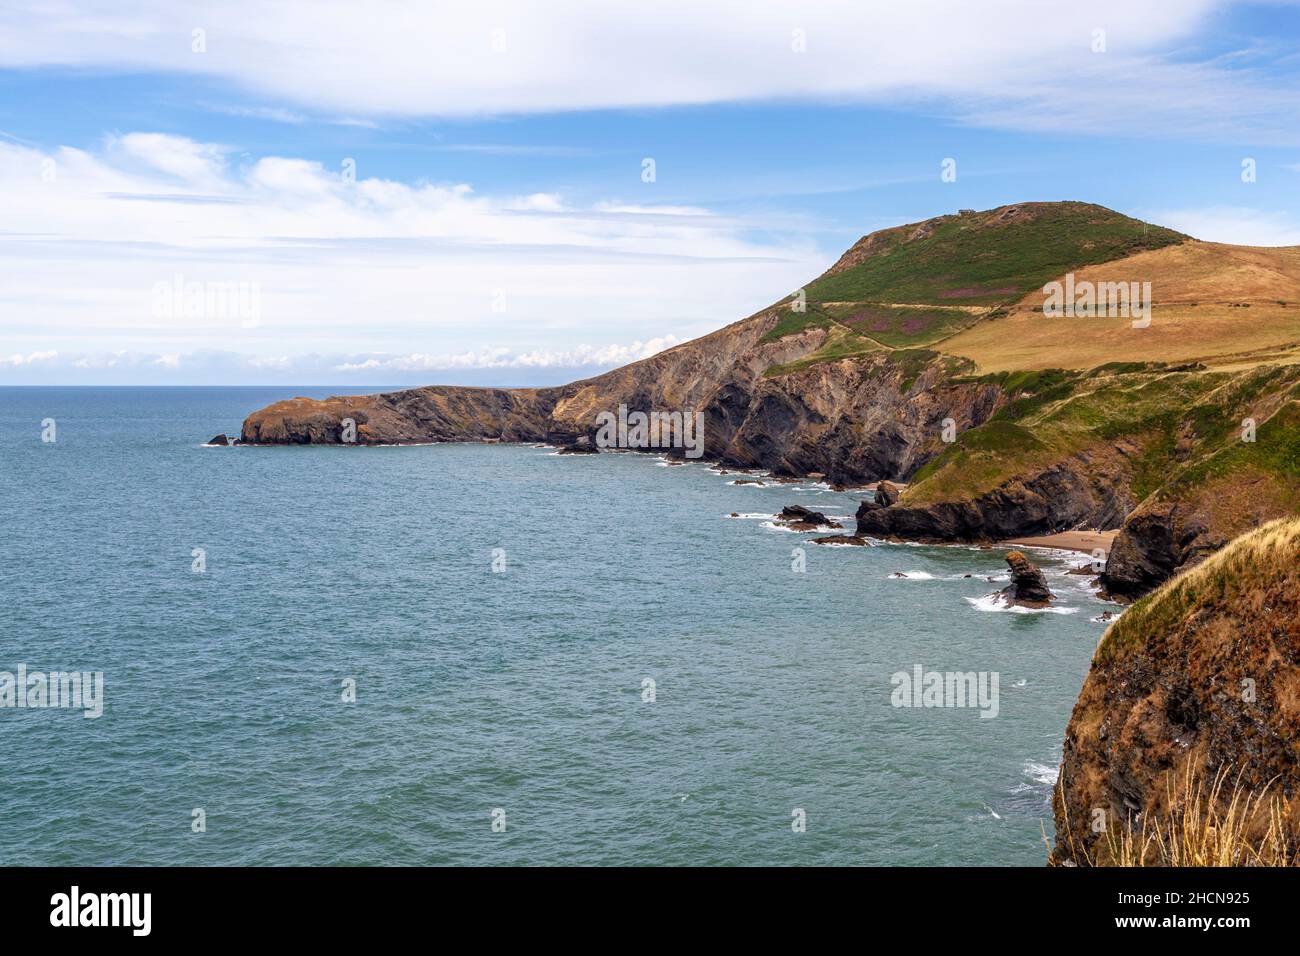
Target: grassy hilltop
pixel 1159 412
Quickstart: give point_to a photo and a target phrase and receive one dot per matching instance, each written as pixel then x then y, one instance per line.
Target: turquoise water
pixel 520 690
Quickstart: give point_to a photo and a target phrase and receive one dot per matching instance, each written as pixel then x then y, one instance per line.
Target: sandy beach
pixel 1086 541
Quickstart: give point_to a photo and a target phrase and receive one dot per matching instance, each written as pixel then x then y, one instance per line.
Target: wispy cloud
pixel 154 248
pixel 583 356
pixel 1106 66
pixel 32 358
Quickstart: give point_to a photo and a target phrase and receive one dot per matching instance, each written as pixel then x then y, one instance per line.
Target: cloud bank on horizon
pixel 319 193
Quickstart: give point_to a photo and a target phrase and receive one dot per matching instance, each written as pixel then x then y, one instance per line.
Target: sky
pixel 511 193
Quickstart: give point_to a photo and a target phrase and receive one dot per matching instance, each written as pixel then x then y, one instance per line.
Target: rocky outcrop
pixel 851 540
pixel 1089 489
pixel 854 420
pixel 413 416
pixel 1162 538
pixel 1028 587
pixel 887 494
pixel 800 513
pixel 1202 677
pixel 580 446
pixel 799 518
pixel 1151 547
pixel 221 440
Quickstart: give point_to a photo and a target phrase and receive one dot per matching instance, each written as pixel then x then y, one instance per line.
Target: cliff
pixel 1199 680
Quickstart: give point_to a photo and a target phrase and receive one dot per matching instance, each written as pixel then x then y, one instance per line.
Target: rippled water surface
pixel 520 690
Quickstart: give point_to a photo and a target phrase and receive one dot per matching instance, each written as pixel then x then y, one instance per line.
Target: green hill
pixel 984 258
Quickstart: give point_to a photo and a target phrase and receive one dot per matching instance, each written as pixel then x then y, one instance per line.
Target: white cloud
pixel 1006 63
pixel 194 163
pixel 640 209
pixel 291 259
pixel 31 359
pixel 583 356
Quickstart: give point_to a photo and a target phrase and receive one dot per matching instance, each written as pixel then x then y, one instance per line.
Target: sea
pixel 494 654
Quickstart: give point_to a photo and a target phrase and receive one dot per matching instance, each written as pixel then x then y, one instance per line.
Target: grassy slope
pixel 990 257
pixel 1184 424
pixel 916 285
pixel 1269 552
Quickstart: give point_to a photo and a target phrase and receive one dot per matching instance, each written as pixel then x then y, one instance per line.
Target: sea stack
pixel 1028 587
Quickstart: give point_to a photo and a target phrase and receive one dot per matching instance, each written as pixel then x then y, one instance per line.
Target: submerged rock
pixel 850 539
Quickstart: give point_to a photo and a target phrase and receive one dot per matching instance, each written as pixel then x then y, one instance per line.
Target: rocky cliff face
pixel 1089 489
pixel 853 420
pixel 407 417
pixel 857 419
pixel 679 378
pixel 1201 676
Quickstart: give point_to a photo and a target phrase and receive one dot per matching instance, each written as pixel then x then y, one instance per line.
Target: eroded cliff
pixel 1198 681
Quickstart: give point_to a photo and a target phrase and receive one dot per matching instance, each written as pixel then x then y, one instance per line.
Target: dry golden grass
pixel 1206 824
pixel 1264 554
pixel 1213 303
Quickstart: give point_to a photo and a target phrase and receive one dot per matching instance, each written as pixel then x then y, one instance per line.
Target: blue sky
pixel 180 209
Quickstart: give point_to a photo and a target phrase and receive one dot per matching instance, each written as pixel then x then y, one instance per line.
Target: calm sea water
pixel 476 691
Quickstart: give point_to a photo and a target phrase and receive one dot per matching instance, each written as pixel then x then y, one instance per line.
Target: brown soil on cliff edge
pixel 1202 676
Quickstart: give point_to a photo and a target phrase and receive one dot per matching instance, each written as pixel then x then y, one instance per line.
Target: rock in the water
pixel 1028 587
pixel 219 440
pixel 580 446
pixel 749 481
pixel 800 513
pixel 1199 678
pixel 887 493
pixel 849 539
pixel 803 519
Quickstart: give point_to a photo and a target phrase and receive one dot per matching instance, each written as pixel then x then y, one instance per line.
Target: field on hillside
pixel 1227 306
